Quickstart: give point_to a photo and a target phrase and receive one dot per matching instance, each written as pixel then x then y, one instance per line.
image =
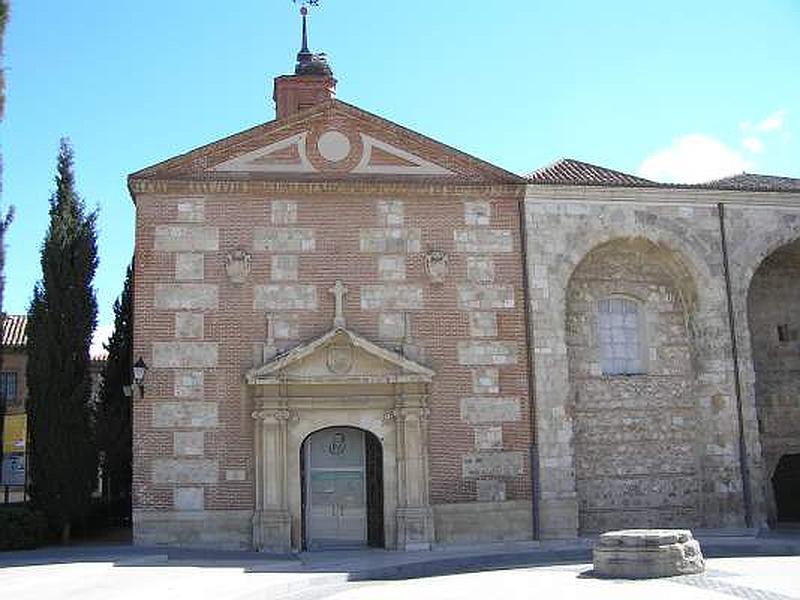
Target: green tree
pixel 114 433
pixel 61 319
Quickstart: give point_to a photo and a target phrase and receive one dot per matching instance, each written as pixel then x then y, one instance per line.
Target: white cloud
pixel 753 144
pixel 693 158
pixel 774 122
pixel 100 337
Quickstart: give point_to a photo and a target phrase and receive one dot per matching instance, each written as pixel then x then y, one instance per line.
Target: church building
pixel 359 336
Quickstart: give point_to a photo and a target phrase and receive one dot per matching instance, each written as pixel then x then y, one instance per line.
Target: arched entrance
pixel 342 489
pixel 786 488
pixel 377 401
pixel 773 310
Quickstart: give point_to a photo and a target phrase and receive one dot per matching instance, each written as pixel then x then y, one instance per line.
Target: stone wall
pixel 636 437
pixel 774 320
pixel 499 522
pixel 757 225
pixel 564 225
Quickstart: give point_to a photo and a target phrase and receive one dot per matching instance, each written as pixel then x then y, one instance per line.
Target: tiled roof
pixel 755 183
pixel 14 335
pixel 568 171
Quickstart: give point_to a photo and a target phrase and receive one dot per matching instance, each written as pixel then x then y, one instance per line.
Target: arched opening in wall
pixel 629 308
pixel 786 489
pixel 773 311
pixel 342 489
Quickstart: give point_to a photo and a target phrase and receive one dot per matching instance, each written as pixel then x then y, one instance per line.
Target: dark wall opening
pixel 374 476
pixel 786 486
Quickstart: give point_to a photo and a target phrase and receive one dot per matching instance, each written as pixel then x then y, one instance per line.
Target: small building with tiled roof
pixel 13 396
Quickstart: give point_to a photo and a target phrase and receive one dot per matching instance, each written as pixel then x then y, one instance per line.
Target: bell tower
pixel 313 81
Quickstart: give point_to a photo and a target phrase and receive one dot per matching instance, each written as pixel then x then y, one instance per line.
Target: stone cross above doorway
pixel 339 291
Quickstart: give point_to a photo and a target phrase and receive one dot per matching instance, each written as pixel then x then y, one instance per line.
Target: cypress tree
pixel 61 319
pixel 114 433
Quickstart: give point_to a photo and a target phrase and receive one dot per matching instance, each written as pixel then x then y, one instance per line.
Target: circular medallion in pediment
pixel 333 146
pixel 334 149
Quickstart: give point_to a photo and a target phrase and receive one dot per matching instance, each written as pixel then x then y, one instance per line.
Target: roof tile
pixel 15 337
pixel 14 334
pixel 568 171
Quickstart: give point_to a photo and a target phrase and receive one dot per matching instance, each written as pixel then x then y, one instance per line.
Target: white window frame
pixel 621 335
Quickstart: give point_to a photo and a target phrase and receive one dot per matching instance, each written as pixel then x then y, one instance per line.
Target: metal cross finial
pixel 339 290
pixel 304 4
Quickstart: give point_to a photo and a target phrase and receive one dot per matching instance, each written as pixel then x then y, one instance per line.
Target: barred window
pixel 8 387
pixel 621 336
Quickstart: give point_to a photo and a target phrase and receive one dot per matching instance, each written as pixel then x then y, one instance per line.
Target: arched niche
pixel 773 310
pixel 635 418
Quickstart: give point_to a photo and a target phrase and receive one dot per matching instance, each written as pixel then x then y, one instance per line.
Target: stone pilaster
pixel 415 529
pixel 272 519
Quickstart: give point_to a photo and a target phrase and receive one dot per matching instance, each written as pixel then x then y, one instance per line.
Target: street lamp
pixel 139 370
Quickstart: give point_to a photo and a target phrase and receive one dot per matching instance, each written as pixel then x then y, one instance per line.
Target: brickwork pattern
pixel 190 389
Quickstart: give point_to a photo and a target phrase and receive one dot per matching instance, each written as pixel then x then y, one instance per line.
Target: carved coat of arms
pixel 237 266
pixel 437 265
pixel 340 358
pixel 338 445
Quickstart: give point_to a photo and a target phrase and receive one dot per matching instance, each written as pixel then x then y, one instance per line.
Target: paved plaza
pixel 750 568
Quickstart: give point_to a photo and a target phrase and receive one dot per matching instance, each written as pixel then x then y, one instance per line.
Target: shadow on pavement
pixel 376 565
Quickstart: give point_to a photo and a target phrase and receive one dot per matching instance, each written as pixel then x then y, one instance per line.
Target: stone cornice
pixel 659 196
pixel 255 187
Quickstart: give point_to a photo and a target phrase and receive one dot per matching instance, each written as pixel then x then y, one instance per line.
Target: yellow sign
pixel 15 432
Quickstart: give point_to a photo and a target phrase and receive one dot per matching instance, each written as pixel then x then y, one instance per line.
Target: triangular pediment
pixel 332 140
pixel 339 356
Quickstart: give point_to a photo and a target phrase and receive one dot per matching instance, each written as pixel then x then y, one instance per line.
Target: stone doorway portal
pixel 342 495
pixel 786 487
pixel 341 382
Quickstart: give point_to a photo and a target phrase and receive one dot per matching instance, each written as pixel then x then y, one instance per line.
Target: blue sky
pixel 678 91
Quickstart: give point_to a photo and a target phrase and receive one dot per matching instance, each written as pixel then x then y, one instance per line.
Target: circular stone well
pixel 645 553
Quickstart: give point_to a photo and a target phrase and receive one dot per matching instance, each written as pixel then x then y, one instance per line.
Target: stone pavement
pixel 764 568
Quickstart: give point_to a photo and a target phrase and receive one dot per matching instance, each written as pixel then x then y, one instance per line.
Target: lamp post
pixel 139 370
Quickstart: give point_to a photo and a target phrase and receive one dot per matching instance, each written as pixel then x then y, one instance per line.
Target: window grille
pixel 620 324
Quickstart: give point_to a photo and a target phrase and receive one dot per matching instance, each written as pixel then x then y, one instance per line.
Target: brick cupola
pixel 313 81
